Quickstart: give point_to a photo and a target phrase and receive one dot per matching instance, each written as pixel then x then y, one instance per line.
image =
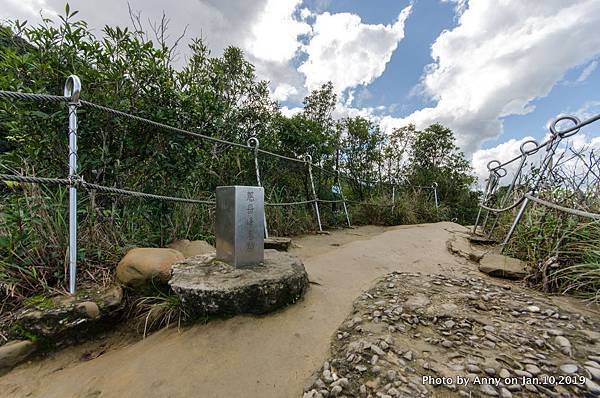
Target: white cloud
pixel 284 91
pixel 348 52
pixel 25 9
pixel 275 33
pixel 587 110
pixel 587 71
pixel 501 56
pixel 267 30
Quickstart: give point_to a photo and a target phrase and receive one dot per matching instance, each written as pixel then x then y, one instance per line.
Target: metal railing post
pixel 254 143
pixel 483 200
pixel 393 196
pixel 72 90
pixel 308 160
pixel 435 194
pixel 557 136
pixel 343 200
pixel 524 155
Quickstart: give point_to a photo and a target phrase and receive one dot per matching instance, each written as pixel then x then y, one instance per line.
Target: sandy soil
pixel 271 356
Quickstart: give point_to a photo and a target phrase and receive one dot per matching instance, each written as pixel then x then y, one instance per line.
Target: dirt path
pixel 271 356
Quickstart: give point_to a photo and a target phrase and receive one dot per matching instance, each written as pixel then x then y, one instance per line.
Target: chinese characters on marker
pixel 250 220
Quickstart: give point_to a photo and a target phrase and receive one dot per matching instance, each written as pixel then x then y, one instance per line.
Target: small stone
pixel 522 373
pixel 374 359
pixel 504 393
pixel 336 390
pixel 594 372
pixel 90 309
pixel 473 368
pixel 539 342
pixel 447 344
pixel 449 324
pixel 530 387
pixel 564 344
pixel 533 308
pixel 534 370
pixel 593 364
pixel 592 387
pixel 504 373
pixel 391 375
pixel 377 350
pixel 568 368
pixel 488 390
pixel 362 389
pixel 408 355
pixel 490 371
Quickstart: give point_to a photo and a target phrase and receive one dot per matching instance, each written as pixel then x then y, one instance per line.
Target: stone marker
pixel 240 225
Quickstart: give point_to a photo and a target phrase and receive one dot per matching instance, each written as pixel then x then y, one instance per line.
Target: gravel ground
pixel 434 336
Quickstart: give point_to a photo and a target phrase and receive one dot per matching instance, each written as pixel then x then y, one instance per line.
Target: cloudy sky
pixel 494 71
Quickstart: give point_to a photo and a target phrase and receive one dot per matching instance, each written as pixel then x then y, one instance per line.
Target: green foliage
pixel 216 96
pixel 436 158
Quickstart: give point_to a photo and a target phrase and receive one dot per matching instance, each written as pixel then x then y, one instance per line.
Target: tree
pixel 436 158
pixel 361 148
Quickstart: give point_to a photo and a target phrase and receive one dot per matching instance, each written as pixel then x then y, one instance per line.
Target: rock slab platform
pixel 208 286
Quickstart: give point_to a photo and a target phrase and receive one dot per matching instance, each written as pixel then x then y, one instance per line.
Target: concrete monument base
pixel 209 286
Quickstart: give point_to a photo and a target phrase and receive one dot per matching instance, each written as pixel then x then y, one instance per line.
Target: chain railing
pixel 74 181
pixel 554 166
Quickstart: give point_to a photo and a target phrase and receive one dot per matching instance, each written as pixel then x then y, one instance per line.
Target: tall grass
pixel 34 231
pixel 563 251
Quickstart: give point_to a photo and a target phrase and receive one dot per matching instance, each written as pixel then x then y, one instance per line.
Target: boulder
pixel 14 352
pixel 192 248
pixel 281 244
pixel 209 286
pixel 62 317
pixel 501 266
pixel 142 265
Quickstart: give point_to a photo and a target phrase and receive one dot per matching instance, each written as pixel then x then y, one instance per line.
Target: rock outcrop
pixel 61 317
pixel 502 266
pixel 142 265
pixel 209 286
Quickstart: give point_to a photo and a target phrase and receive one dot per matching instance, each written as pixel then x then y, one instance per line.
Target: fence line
pixel 72 91
pixel 548 166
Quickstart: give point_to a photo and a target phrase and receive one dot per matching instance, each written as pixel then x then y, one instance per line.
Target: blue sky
pixel 494 71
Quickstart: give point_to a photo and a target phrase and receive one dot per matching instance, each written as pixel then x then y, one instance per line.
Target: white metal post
pixel 254 143
pixel 72 91
pixel 308 160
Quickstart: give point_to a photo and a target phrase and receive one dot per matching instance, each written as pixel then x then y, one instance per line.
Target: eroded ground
pixel 433 335
pixel 277 355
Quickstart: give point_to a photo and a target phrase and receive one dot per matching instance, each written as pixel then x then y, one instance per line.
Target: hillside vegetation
pixel 217 96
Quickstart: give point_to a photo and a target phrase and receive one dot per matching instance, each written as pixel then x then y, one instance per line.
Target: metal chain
pixel 562 208
pixel 161 125
pixel 33 97
pixel 35 180
pixel 80 182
